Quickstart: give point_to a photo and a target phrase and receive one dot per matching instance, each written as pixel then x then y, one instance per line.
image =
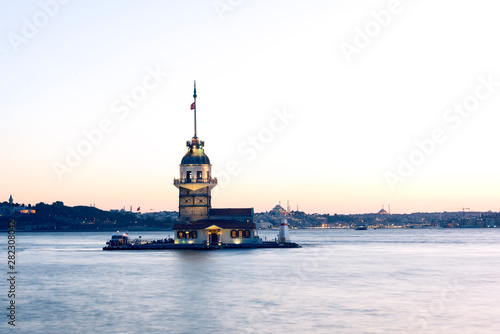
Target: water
pixel 341 281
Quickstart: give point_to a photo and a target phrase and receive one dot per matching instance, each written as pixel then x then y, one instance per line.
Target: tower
pixel 195 181
pixel 11 201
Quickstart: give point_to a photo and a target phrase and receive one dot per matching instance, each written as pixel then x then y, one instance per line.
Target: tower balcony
pixel 195 183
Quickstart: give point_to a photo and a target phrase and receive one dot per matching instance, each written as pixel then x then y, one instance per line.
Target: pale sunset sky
pixel 336 106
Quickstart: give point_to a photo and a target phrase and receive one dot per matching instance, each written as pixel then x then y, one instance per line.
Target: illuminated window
pixel 247 233
pixel 194 234
pixel 240 234
pixel 187 234
pixel 180 234
pixel 234 234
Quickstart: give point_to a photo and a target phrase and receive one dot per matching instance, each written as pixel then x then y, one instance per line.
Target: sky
pixel 335 106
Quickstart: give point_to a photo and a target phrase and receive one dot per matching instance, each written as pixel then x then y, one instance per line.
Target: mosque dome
pixel 383 212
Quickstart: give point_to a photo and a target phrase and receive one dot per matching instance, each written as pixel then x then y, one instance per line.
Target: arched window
pixel 180 234
pixel 194 234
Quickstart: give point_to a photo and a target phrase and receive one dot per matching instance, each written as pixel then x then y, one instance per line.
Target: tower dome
pixel 195 154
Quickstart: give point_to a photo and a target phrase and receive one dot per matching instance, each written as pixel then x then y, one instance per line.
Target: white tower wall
pixel 283 234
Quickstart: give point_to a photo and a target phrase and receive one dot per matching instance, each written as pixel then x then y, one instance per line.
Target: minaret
pixel 195 180
pixel 11 201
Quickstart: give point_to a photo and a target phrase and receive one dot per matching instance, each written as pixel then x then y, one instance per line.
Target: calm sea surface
pixel 340 281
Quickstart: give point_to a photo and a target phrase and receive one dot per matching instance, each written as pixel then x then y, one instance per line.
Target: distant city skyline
pixel 338 107
pixel 384 210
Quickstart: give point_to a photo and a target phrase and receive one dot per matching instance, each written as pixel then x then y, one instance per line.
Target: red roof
pixel 231 212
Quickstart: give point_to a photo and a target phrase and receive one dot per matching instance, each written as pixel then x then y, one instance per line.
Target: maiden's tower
pixel 201 226
pixel 199 222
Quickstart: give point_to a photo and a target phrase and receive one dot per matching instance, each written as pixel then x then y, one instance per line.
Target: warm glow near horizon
pixel 338 107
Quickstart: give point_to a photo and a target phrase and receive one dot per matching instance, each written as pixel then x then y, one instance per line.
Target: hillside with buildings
pixel 58 217
pixel 380 219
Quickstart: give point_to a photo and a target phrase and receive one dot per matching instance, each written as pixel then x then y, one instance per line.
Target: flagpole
pixel 194 96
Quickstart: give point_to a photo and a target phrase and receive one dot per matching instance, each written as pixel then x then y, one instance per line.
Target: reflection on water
pixel 341 281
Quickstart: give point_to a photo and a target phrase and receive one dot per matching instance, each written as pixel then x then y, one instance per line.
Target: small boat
pixel 360 227
pixel 118 239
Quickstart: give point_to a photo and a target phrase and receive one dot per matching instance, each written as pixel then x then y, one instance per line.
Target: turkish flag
pixel 139 209
pixel 192 106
